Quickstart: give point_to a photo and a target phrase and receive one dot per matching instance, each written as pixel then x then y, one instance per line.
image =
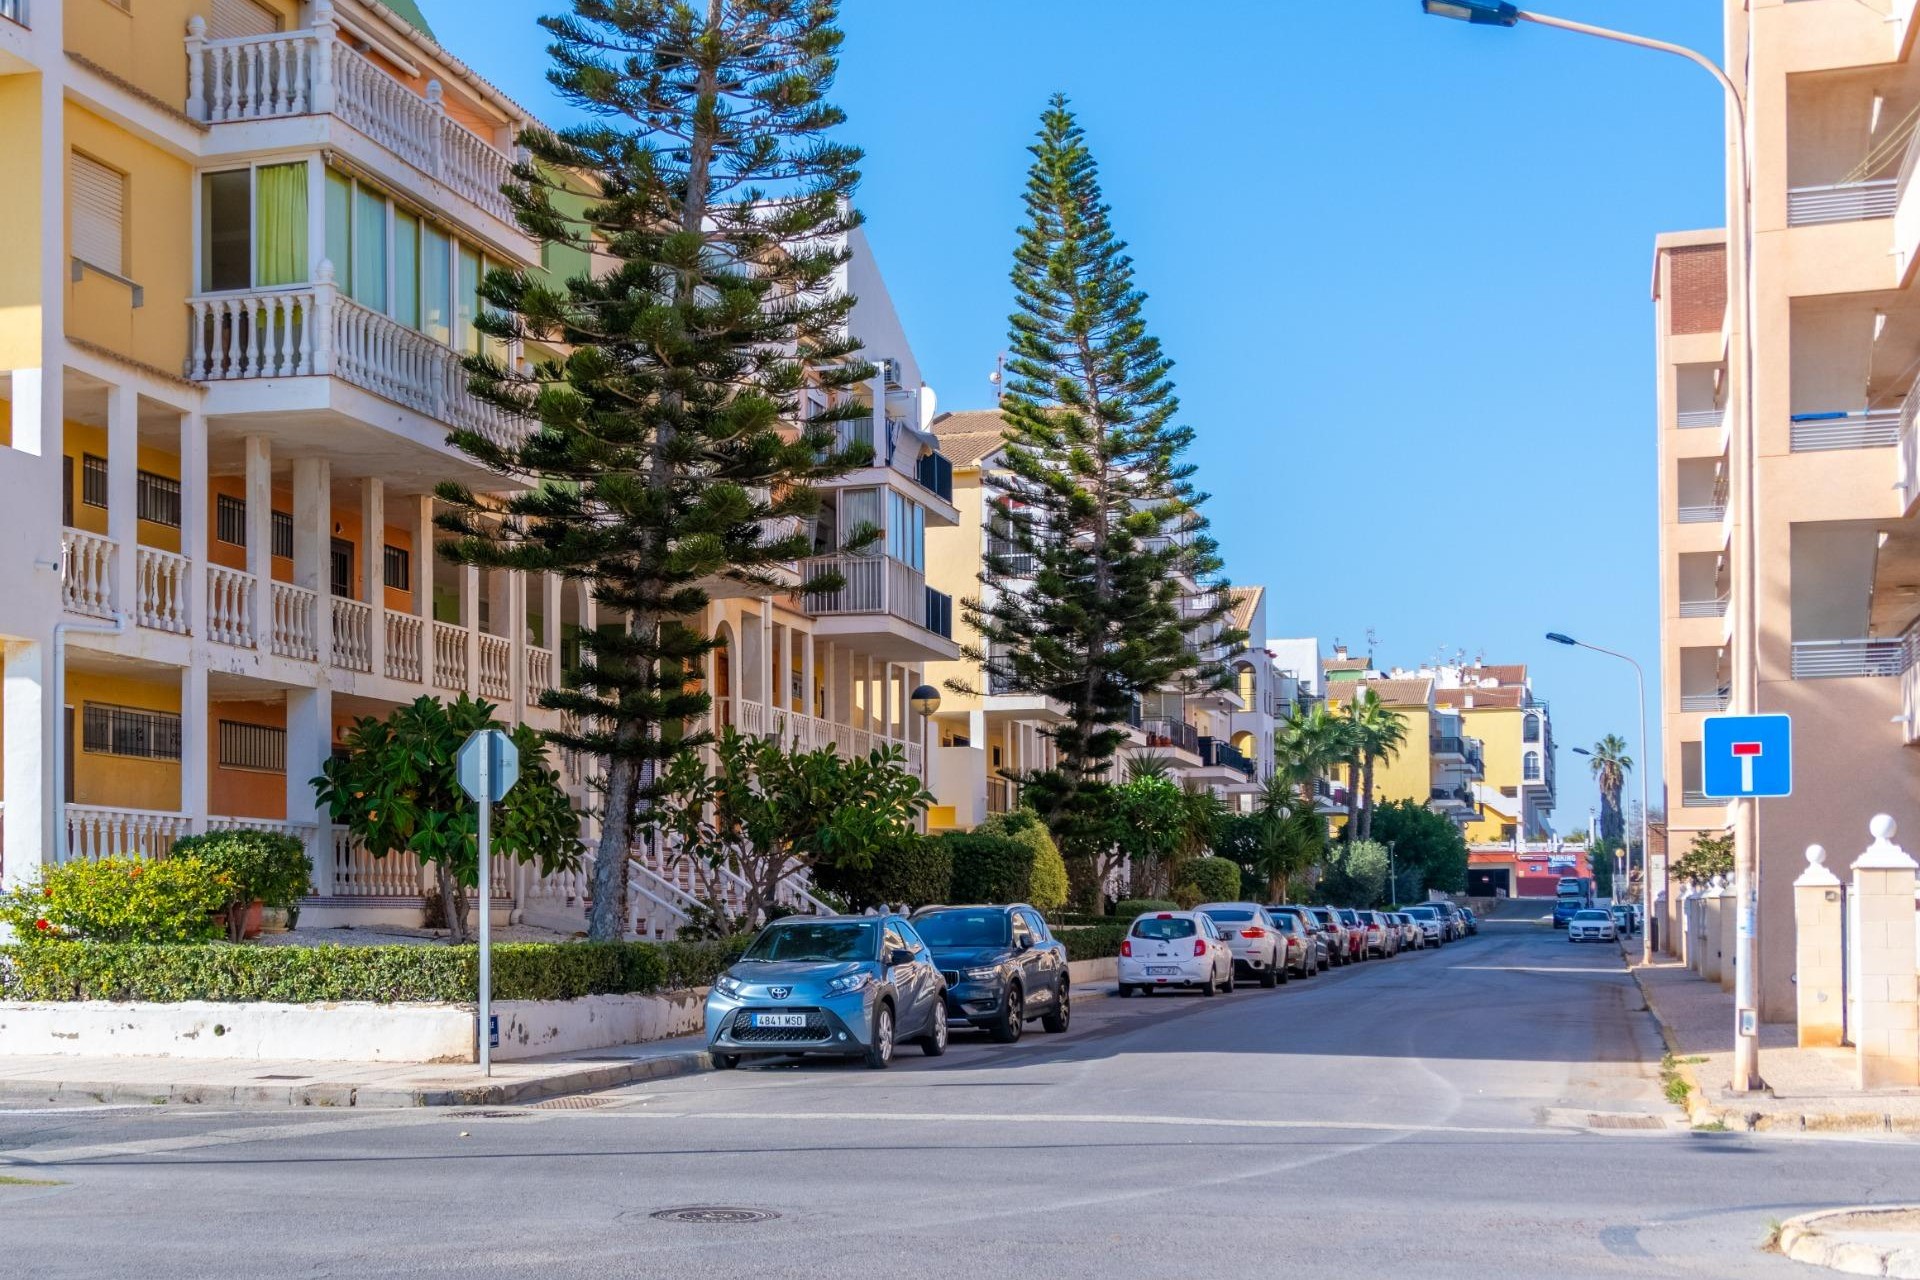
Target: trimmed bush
pixel 917 872
pixel 304 975
pixel 1212 879
pixel 989 868
pixel 1047 875
pixel 266 865
pixel 1093 943
pixel 163 900
pixel 1127 908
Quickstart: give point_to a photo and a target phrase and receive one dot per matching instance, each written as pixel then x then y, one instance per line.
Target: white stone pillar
pixel 309 742
pixel 1819 983
pixel 808 706
pixel 313 545
pixel 424 567
pixel 196 745
pixel 373 567
pixel 1887 1001
pixel 470 621
pixel 195 504
pixel 32 775
pixel 123 466
pixel 259 458
pixel 517 636
pixel 785 684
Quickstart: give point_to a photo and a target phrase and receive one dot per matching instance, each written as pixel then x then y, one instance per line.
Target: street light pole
pixel 1746 671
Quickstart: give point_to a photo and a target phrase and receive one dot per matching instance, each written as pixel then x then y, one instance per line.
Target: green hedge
pixel 1212 879
pixel 1095 942
pixel 1127 908
pixel 988 868
pixel 302 975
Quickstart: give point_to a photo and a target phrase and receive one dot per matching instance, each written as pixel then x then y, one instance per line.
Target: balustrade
pixel 496 666
pixel 97 831
pixel 449 656
pixel 357 873
pixel 230 606
pixel 540 664
pixel 295 611
pixel 404 638
pixel 352 634
pixel 86 573
pixel 160 581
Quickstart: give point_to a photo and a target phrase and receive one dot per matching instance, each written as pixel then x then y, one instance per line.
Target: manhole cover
pixel 714 1213
pixel 578 1102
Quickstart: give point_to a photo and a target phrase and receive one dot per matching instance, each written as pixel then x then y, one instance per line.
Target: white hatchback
pixel 1175 949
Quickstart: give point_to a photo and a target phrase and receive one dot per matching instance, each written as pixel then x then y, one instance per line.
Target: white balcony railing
pixel 1693 419
pixel 97 831
pixel 1703 701
pixel 872 584
pixel 1702 513
pixel 357 873
pixel 295 611
pixel 540 664
pixel 230 606
pixel 1824 659
pixel 496 666
pixel 404 638
pixel 310 72
pixel 1842 202
pixel 352 634
pixel 1700 800
pixel 1863 429
pixel 312 330
pixel 1715 608
pixel 86 573
pixel 449 656
pixel 160 589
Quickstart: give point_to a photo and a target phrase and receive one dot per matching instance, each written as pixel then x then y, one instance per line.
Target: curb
pixel 1699 1114
pixel 324 1094
pixel 1801 1240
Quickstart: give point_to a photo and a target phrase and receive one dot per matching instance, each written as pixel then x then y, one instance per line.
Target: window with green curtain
pixel 369 286
pixel 340 226
pixel 280 224
pixel 467 299
pixel 436 284
pixel 406 269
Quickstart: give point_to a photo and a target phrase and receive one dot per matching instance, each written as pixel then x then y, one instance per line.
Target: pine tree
pixel 1126 597
pixel 665 428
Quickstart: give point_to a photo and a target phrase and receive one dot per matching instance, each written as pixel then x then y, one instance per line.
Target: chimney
pixel 1339 653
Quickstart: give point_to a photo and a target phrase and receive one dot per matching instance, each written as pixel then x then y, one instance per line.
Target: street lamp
pixel 925 699
pixel 1746 680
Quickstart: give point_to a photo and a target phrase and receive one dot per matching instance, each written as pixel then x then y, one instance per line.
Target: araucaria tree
pixel 1126 597
pixel 664 417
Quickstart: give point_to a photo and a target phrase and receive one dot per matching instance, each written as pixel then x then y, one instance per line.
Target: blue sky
pixel 1402 266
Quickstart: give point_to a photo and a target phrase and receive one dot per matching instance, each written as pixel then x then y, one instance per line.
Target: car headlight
pixel 729 985
pixel 851 983
pixel 987 974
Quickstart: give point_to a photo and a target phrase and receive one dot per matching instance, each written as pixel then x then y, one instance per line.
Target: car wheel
pixel 725 1061
pixel 1062 1015
pixel 1229 984
pixel 1126 992
pixel 1013 1017
pixel 934 1043
pixel 1270 976
pixel 880 1049
pixel 1282 970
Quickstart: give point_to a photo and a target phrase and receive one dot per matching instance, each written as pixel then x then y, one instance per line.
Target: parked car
pixel 1175 949
pixel 1457 915
pixel 1623 919
pixel 1002 966
pixel 1356 932
pixel 1433 923
pixel 1472 920
pixel 1302 954
pixel 1412 936
pixel 1565 909
pixel 852 986
pixel 1333 932
pixel 1259 947
pixel 1381 935
pixel 1591 924
pixel 1313 936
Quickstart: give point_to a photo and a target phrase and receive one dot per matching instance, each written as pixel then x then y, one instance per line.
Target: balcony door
pixel 237 19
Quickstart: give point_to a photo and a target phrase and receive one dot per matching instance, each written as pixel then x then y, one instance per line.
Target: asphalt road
pixel 1491 1109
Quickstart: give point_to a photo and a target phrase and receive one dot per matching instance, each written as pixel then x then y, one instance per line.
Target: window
pixel 859 509
pixel 1245 679
pixel 436 285
pixel 906 530
pixel 397 568
pixel 1037 925
pixel 93 480
pixel 369 284
pixel 230 520
pixel 157 499
pixel 280 224
pixel 339 197
pixel 467 298
pixel 1506 830
pixel 340 566
pixel 406 269
pixel 99 211
pixel 260 747
pixel 1530 766
pixel 130 731
pixel 283 534
pixel 226 230
pixel 1530 732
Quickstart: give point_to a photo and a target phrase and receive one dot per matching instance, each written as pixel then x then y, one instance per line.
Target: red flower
pixel 42 925
pixel 46 893
pixel 134 874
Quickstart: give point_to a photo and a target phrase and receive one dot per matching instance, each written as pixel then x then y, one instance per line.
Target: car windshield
pixel 1229 915
pixel 1286 923
pixel 964 928
pixel 1424 913
pixel 1323 915
pixel 1163 927
pixel 838 940
pixel 1590 915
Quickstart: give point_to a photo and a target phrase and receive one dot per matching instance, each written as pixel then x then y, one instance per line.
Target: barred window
pixel 230 520
pixel 252 746
pixel 399 568
pixel 340 573
pixel 158 499
pixel 130 731
pixel 93 480
pixel 283 534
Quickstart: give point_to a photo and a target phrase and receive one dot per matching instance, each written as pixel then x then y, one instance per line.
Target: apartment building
pixel 245 243
pixel 989 736
pixel 1514 796
pixel 1833 91
pixel 1438 764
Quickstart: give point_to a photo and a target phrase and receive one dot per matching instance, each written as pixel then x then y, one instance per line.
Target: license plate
pixel 779 1019
pixel 1159 970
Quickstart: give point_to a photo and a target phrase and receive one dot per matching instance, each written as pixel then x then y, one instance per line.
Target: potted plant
pixel 266 869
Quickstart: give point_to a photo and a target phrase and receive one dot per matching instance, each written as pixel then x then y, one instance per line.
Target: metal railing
pixel 1858 429
pixel 15 11
pixel 1842 202
pixel 935 474
pixel 1699 800
pixel 1827 659
pixel 1217 751
pixel 872 584
pixel 1018 563
pixel 1162 732
pixel 1705 701
pixel 1714 608
pixel 1703 513
pixel 1692 419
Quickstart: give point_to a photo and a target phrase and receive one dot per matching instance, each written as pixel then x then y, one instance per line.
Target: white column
pixel 517 621
pixel 423 568
pixel 312 546
pixel 373 567
pixel 196 745
pixel 123 465
pixel 309 742
pixel 32 774
pixel 317 211
pixel 785 684
pixel 808 706
pixel 194 504
pixel 470 621
pixel 259 454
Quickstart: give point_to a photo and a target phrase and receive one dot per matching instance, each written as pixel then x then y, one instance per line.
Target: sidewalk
pixel 1809 1090
pixel 254 1082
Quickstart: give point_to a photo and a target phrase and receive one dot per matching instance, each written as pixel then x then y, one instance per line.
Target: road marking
pixel 1171 1122
pixel 29 1157
pixel 1523 968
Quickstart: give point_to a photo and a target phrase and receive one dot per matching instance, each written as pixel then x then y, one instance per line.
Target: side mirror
pixel 898 956
pixel 1024 944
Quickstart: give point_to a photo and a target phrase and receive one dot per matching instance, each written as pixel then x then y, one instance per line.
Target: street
pixel 1489 1109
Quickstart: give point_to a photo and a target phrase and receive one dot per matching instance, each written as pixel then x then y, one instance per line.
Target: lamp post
pixel 1746 680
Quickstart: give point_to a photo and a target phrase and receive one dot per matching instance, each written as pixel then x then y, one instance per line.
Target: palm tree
pixel 1308 745
pixel 1610 764
pixel 1292 837
pixel 1379 733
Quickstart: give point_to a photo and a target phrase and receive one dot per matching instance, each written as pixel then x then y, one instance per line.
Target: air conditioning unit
pixel 890 370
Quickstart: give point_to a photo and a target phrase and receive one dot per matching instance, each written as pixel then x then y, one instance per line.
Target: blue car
pixel 848 986
pixel 1564 909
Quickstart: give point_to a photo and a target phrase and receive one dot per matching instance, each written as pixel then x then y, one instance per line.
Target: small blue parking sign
pixel 1744 756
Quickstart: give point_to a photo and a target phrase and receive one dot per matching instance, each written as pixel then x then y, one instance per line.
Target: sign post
pixel 488 765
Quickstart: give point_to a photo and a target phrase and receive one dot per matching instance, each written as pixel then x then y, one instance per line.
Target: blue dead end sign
pixel 1742 756
pixel 502 760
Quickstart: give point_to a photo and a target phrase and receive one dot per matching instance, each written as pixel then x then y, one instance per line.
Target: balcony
pixel 1704 512
pixel 1858 429
pixel 1448 744
pixel 1003 794
pixel 935 474
pixel 883 588
pixel 1872 657
pixel 1177 734
pixel 314 331
pixel 1700 800
pixel 1842 202
pixel 1909 474
pixel 307 73
pixel 15 11
pixel 1222 754
pixel 1717 701
pixel 1714 608
pixel 1018 563
pixel 1458 799
pixel 1697 419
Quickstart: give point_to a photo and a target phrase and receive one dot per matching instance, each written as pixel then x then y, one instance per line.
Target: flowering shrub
pixel 260 864
pixel 120 900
